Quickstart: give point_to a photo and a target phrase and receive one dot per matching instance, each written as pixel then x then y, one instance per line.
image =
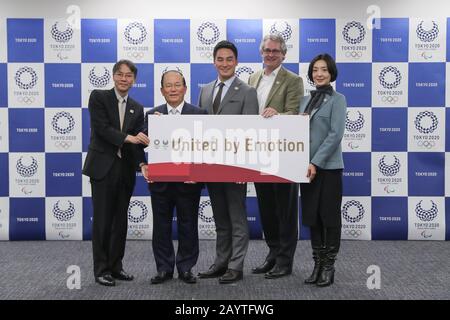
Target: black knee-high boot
pixel 317 245
pixel 332 244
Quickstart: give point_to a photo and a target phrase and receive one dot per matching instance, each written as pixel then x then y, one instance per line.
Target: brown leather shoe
pixel 231 276
pixel 213 272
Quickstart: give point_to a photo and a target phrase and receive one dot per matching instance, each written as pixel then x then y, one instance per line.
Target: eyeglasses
pixel 127 76
pixel 272 51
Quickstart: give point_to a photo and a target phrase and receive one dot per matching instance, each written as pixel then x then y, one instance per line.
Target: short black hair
pixel 128 63
pixel 331 65
pixel 225 44
pixel 177 71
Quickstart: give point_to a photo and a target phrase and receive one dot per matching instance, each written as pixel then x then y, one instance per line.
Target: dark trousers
pixel 278 208
pixel 186 204
pixel 110 198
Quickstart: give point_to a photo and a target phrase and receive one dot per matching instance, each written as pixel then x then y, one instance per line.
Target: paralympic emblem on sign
pixel 427 35
pixel 61 36
pixel 282 28
pixel 63 214
pixel 389 170
pixel 354 125
pixel 244 70
pixel 99 81
pixel 27 171
pixel 426 215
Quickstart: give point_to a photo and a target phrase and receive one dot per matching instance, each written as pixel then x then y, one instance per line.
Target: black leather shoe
pixel 278 272
pixel 105 280
pixel 187 277
pixel 161 277
pixel 231 276
pixel 122 275
pixel 213 272
pixel 265 267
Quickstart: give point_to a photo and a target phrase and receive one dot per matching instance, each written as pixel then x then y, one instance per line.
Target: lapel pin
pixel 278 82
pixel 131 111
pixel 325 100
pixel 236 88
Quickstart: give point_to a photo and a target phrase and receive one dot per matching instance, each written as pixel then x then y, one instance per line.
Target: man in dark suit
pixel 166 196
pixel 228 95
pixel 111 163
pixel 279 92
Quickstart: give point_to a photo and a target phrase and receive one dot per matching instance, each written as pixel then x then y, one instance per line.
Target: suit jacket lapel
pixel 129 114
pixel 209 90
pixel 324 103
pixel 234 88
pixel 258 78
pixel 279 79
pixel 114 105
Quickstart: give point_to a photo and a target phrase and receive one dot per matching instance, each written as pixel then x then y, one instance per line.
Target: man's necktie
pixel 122 107
pixel 216 102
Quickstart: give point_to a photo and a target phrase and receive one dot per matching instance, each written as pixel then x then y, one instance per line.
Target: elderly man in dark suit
pixel 228 95
pixel 111 163
pixel 166 196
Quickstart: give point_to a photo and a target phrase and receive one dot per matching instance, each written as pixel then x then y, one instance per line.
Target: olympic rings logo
pixel 353 233
pixel 26 100
pixel 63 144
pixel 353 54
pixel 135 55
pixel 208 233
pixel 136 233
pixel 389 99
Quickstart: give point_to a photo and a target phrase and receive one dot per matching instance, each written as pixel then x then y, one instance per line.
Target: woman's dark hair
pixel 331 65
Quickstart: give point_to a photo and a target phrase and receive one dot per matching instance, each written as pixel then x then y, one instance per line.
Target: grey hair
pixel 274 37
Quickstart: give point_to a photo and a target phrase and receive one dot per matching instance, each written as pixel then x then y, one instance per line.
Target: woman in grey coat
pixel 321 198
